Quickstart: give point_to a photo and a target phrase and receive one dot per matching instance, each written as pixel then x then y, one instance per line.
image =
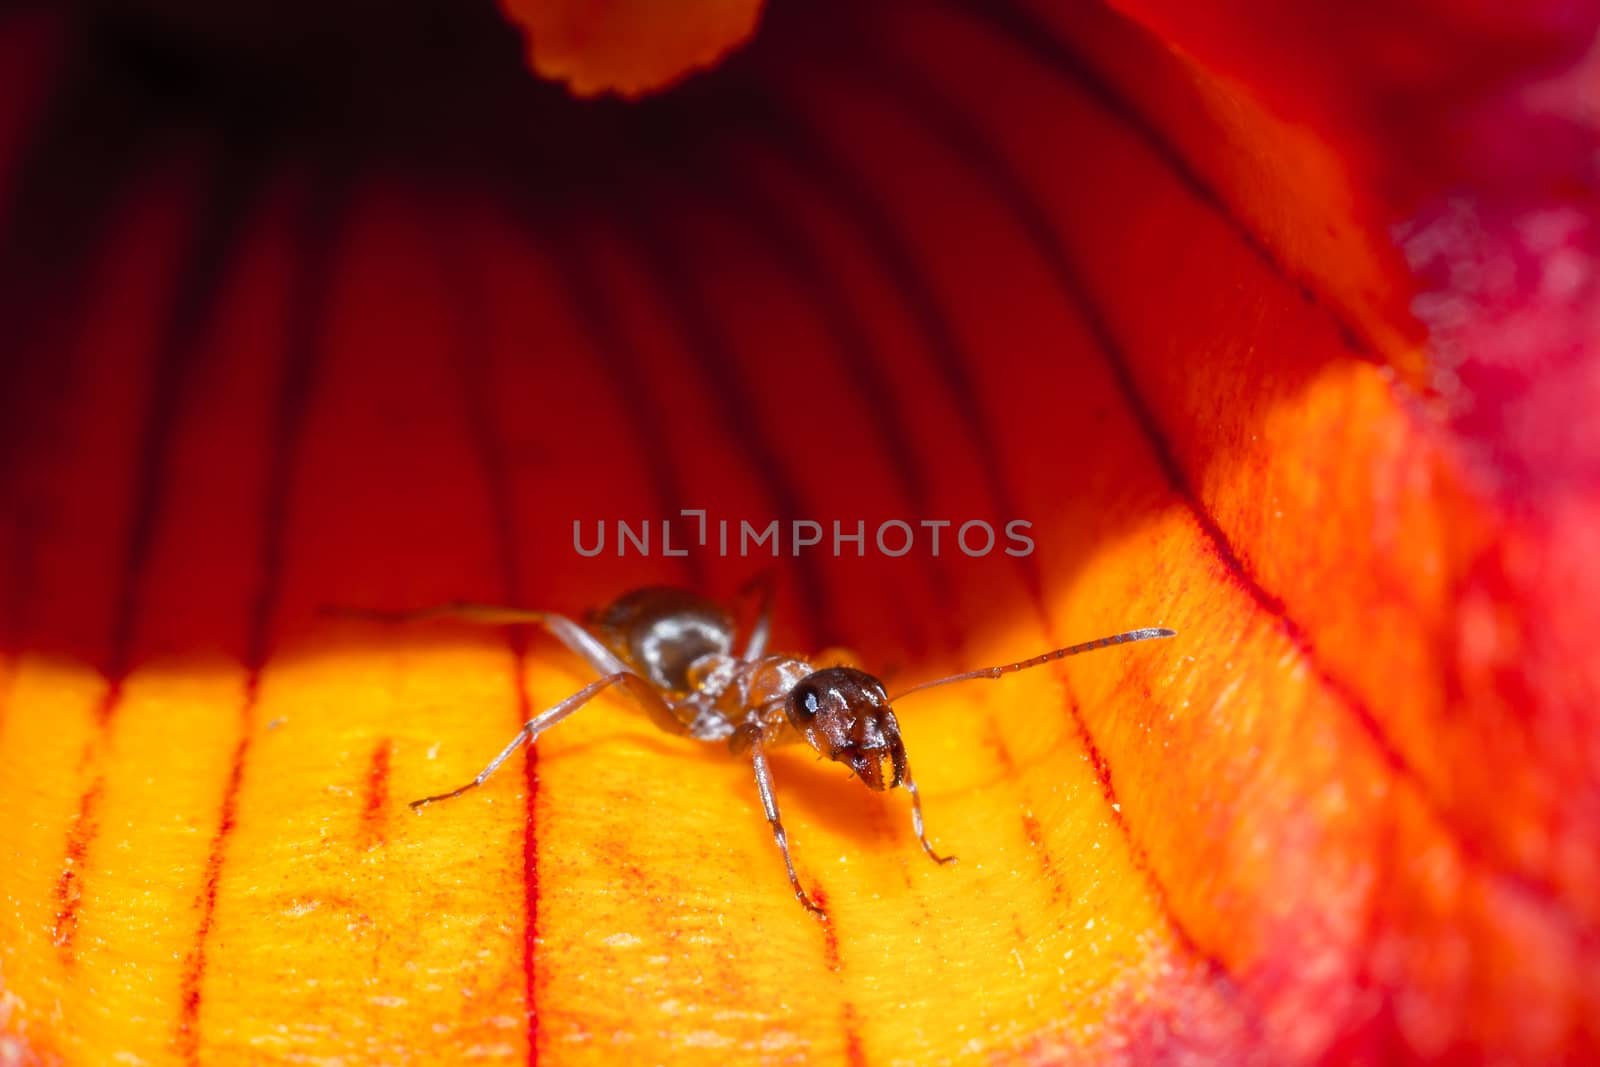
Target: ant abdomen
pixel 660 632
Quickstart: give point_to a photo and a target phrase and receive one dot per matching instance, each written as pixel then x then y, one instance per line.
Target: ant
pixel 672 653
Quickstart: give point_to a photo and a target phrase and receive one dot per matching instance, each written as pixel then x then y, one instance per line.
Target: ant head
pixel 844 714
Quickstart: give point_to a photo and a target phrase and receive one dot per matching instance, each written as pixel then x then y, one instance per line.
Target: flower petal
pixel 629 48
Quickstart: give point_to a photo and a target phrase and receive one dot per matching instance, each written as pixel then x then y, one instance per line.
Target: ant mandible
pixel 672 653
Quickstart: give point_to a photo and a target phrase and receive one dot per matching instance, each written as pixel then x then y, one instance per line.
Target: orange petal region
pixel 631 47
pixel 286 328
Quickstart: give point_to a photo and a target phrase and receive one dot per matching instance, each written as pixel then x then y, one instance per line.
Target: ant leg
pixel 916 820
pixel 761 585
pixel 563 629
pixel 770 804
pixel 636 686
pixel 577 639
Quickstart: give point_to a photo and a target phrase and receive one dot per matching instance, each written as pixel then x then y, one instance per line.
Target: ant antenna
pixel 1060 653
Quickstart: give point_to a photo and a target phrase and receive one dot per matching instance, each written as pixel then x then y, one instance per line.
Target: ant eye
pixel 804 703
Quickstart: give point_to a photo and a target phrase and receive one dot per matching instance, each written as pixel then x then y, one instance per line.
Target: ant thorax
pixel 730 692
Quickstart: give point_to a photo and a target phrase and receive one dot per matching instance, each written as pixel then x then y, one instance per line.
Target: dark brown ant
pixel 672 653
